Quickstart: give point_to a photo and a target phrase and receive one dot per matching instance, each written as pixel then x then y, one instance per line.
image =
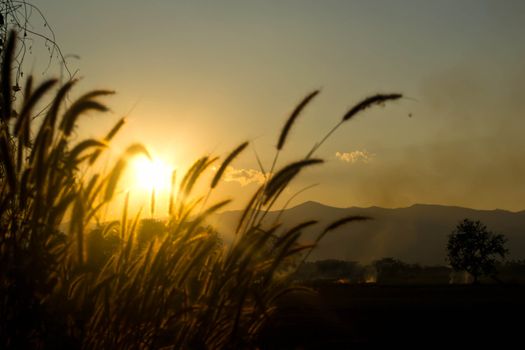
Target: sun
pixel 153 174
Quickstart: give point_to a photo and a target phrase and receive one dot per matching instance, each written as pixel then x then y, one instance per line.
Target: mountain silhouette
pixel 416 234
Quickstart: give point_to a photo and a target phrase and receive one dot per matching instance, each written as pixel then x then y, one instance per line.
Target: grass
pixel 130 283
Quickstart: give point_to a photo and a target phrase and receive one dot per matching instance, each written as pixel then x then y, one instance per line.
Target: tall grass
pixel 130 283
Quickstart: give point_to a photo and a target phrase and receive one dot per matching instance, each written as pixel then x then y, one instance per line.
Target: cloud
pixel 243 176
pixel 354 156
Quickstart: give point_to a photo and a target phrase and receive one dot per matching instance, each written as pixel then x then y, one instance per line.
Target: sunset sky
pixel 196 77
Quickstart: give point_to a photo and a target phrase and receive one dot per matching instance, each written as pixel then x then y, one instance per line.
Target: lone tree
pixel 472 248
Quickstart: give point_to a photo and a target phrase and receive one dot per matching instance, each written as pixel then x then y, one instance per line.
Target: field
pixel 341 316
pixel 109 242
pixel 73 278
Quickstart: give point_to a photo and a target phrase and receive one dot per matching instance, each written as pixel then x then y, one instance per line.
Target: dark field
pixel 344 316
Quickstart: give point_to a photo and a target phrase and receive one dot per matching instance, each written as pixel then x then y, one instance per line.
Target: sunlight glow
pixel 151 174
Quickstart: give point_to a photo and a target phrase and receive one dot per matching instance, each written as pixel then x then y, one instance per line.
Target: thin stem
pixel 319 144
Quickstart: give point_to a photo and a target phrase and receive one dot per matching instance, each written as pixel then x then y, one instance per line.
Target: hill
pixel 416 234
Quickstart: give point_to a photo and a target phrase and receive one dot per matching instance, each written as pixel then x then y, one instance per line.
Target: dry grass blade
pixel 48 125
pixel 259 163
pixel 344 221
pixel 8 162
pixel 338 223
pixel 83 146
pixel 227 162
pixel 215 207
pixel 91 184
pixel 369 102
pixel 201 255
pixel 77 227
pixel 119 167
pixel 249 208
pixel 42 140
pixel 207 213
pixel 93 189
pixel 41 168
pixel 52 114
pixel 202 165
pixel 124 220
pixel 152 202
pixel 25 115
pixel 292 197
pixel 114 176
pixel 194 167
pixel 186 210
pixel 78 108
pixel 364 104
pixel 285 175
pixel 251 250
pixel 28 89
pixel 172 192
pixel 128 245
pixel 288 125
pixel 24 181
pixel 96 93
pixel 300 249
pixel 115 129
pixel 279 259
pixel 296 229
pixel 59 209
pixel 7 64
pixel 108 138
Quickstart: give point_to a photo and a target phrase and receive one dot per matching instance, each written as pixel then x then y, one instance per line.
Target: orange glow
pixel 151 174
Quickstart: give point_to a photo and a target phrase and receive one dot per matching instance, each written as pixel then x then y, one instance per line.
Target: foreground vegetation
pixel 69 279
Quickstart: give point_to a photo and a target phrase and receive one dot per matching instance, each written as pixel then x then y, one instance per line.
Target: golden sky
pixel 198 77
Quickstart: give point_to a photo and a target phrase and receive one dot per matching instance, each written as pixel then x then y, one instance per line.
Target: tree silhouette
pixel 472 248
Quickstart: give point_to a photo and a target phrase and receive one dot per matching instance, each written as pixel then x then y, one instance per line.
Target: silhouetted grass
pixel 121 284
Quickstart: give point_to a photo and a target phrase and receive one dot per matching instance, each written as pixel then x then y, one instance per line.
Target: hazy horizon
pixel 195 77
pixel 400 207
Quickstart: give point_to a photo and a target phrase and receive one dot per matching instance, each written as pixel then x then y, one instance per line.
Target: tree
pixel 474 249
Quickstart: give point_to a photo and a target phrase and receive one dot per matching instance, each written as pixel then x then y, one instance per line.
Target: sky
pixel 199 77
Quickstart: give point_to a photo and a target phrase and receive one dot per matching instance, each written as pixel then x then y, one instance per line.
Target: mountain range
pixel 416 234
